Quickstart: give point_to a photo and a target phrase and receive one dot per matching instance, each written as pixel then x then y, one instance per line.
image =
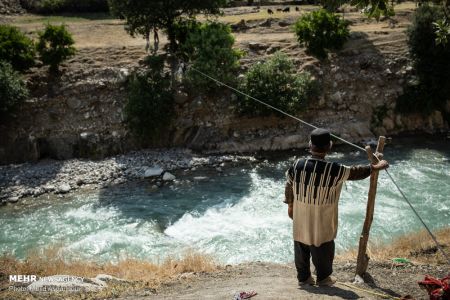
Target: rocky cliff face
pixel 359 92
pixel 81 115
pixel 10 7
pixel 82 118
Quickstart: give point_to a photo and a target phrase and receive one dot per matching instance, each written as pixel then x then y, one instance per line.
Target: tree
pixel 431 63
pixel 320 31
pixel 442 26
pixel 375 8
pixel 55 45
pixel 16 48
pixel 144 16
pixel 149 109
pixel 13 90
pixel 209 48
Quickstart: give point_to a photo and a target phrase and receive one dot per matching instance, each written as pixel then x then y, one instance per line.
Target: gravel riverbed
pixel 33 179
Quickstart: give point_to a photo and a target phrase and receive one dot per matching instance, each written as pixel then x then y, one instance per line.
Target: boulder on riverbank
pixel 63 188
pixel 153 172
pixel 168 176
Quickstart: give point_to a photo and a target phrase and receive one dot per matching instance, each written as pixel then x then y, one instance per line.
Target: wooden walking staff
pixel 363 258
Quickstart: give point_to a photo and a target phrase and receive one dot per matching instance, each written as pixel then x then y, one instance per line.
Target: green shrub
pixel 431 63
pixel 16 48
pixel 150 106
pixel 55 46
pixel 181 31
pixel 65 6
pixel 209 48
pixel 375 8
pixel 13 90
pixel 275 83
pixel 320 31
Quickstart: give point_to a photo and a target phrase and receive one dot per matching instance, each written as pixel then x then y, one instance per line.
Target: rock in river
pixel 168 176
pixel 64 188
pixel 152 172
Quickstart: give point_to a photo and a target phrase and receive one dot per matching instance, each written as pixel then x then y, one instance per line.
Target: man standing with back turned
pixel 312 193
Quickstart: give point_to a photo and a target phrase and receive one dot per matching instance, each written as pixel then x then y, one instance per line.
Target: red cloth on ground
pixel 438 289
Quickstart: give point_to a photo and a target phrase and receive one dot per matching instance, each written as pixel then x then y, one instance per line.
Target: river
pixel 236 214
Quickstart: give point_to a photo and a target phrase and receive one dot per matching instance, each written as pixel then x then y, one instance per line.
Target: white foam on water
pixel 258 220
pixel 253 227
pixel 106 235
pixel 88 212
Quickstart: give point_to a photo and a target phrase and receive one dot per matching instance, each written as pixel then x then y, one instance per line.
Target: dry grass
pixel 100 31
pixel 263 14
pixel 417 247
pixel 139 274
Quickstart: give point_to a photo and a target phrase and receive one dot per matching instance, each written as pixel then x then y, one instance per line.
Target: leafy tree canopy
pixel 16 48
pixel 55 45
pixel 375 8
pixel 143 16
pixel 442 26
pixel 13 90
pixel 209 48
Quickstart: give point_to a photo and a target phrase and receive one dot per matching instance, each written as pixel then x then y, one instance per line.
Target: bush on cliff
pixel 55 45
pixel 16 48
pixel 431 63
pixel 181 30
pixel 209 49
pixel 150 107
pixel 13 90
pixel 320 31
pixel 276 83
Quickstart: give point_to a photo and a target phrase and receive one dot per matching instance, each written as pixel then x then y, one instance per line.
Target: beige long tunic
pixel 315 187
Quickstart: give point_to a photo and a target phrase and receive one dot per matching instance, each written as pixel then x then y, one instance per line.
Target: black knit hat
pixel 320 138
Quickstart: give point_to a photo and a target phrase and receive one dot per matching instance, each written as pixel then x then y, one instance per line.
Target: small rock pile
pixel 62 177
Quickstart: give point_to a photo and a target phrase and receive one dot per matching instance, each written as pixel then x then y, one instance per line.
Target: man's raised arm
pixel 358 172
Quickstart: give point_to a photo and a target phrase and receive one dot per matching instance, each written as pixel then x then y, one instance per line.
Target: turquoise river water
pixel 236 215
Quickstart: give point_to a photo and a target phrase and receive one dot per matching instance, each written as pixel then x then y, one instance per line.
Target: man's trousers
pixel 322 258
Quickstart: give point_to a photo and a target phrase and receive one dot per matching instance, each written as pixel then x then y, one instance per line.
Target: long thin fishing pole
pixel 339 138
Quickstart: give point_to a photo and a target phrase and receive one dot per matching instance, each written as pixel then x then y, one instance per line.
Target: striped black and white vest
pixel 317 186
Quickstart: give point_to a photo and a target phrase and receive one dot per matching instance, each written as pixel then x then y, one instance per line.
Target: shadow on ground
pixel 331 291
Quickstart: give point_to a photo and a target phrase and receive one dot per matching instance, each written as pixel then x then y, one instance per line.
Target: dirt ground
pixel 276 281
pixel 102 41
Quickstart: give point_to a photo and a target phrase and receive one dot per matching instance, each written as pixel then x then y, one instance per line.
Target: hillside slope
pixel 81 115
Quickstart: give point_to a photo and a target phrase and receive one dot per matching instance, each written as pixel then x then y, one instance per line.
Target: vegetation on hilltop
pixel 143 17
pixel 55 45
pixel 320 31
pixel 431 62
pixel 16 48
pixel 209 49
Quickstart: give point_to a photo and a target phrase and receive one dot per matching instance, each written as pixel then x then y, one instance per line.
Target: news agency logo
pixel 23 278
pixel 34 278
